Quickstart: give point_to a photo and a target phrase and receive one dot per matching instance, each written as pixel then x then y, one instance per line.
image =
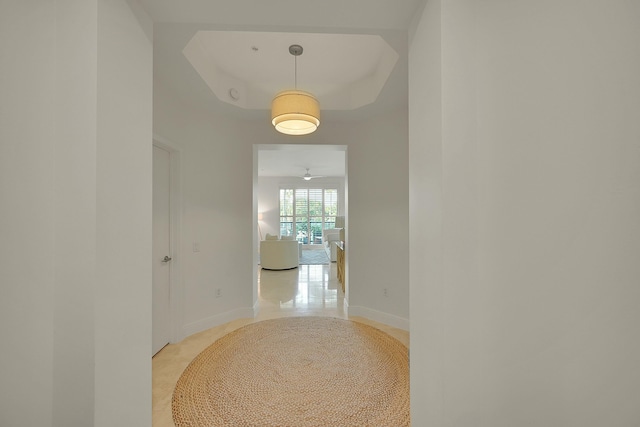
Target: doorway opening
pixel 299 192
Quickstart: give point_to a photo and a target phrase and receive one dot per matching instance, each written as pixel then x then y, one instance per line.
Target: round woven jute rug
pixel 297 372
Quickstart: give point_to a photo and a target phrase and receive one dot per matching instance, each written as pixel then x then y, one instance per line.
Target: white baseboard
pixel 217 320
pixel 379 316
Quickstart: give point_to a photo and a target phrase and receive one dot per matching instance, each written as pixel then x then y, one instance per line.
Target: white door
pixel 161 248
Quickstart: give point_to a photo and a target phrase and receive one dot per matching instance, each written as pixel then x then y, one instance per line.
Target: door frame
pixel 328 147
pixel 176 294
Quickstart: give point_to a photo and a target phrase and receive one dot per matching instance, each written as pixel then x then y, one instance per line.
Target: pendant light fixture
pixel 295 112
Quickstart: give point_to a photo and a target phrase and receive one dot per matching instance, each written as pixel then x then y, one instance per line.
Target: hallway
pixel 309 290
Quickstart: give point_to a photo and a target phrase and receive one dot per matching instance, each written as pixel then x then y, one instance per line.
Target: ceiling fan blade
pixel 307 176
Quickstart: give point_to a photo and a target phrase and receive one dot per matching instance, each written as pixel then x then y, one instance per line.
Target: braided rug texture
pixel 297 372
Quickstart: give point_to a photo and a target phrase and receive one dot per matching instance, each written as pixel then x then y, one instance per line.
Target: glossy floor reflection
pixel 309 290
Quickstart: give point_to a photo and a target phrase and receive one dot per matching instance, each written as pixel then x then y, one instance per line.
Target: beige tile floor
pixel 310 290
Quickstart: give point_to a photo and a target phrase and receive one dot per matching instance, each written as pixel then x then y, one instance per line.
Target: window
pixel 305 212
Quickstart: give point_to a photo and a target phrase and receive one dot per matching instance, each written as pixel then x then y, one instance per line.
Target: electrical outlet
pixel 385 292
pixel 218 293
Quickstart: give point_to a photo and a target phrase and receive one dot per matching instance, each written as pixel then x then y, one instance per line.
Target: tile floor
pixel 309 290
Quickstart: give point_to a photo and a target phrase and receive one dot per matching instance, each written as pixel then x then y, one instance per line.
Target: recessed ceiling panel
pixel 247 69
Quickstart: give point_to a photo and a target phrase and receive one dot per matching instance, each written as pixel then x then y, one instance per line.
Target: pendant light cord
pixel 295 73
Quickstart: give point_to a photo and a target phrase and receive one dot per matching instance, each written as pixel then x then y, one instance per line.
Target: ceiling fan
pixel 307 176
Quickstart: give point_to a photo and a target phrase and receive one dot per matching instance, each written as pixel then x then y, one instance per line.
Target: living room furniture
pixel 281 254
pixel 329 236
pixel 340 262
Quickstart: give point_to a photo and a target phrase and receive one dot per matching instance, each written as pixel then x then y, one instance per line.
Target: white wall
pixel 426 231
pixel 124 190
pixel 75 212
pixel 76 327
pixel 218 209
pixel 27 206
pixel 217 183
pixel 531 312
pixel 378 219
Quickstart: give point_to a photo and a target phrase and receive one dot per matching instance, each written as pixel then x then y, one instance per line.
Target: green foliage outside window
pixel 304 212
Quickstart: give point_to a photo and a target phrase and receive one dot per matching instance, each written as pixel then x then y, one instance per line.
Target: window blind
pixel 305 212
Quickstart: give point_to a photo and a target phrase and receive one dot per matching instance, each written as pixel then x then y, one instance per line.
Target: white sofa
pixel 276 254
pixel 329 236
